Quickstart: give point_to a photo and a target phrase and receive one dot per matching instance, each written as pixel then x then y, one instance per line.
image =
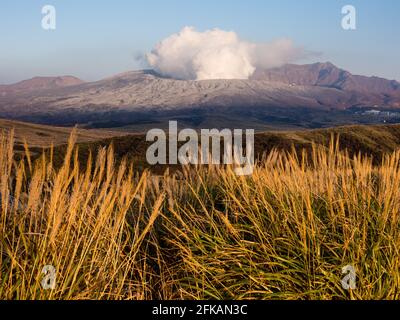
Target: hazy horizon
pixel 151 69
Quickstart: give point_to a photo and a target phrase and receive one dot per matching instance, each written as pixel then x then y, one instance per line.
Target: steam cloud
pixel 217 54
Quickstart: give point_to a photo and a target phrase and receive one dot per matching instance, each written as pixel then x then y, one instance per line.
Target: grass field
pixel 285 232
pixel 42 136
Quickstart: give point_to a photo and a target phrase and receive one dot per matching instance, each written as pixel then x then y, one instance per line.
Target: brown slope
pixel 370 140
pixel 41 136
pixel 373 141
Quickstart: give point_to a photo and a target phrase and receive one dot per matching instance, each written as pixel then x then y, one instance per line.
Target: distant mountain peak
pixel 326 74
pixel 61 80
pixel 40 83
pixel 326 64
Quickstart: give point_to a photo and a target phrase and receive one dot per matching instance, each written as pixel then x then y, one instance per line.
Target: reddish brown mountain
pixel 39 83
pixel 328 75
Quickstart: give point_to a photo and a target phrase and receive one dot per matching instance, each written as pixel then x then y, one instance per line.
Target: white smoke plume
pixel 217 54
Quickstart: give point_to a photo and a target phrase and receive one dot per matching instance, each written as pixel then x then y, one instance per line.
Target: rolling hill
pixel 372 141
pixel 42 136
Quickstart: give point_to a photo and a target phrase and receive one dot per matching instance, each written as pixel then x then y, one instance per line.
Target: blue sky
pixel 95 39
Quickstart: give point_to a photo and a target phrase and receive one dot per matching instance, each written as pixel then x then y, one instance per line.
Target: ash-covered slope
pixel 134 96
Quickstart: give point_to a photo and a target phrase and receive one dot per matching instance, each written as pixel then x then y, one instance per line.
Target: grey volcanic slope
pixel 276 95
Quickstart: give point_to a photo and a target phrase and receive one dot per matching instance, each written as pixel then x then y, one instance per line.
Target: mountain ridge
pixel 40 83
pixel 127 97
pixel 327 74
